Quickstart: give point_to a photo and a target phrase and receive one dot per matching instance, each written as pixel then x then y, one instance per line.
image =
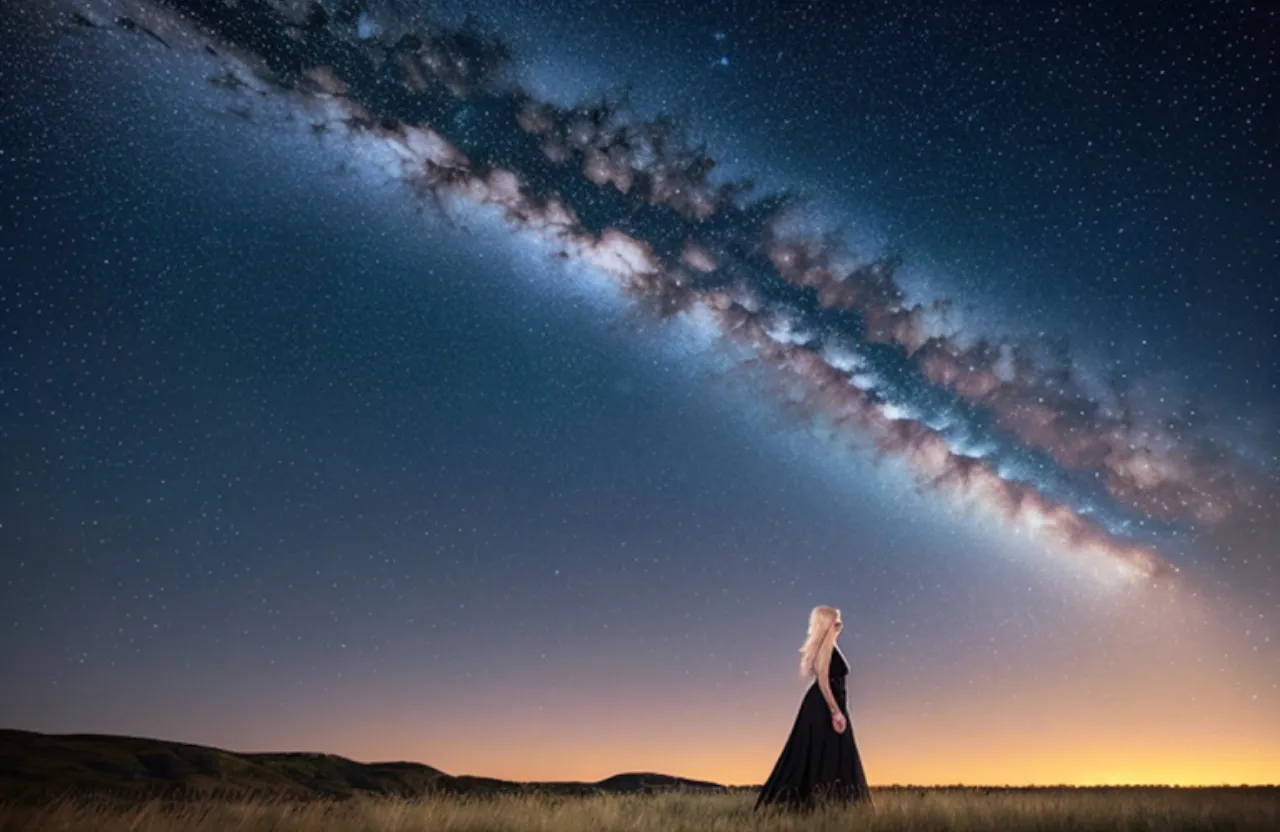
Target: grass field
pixel 1012 810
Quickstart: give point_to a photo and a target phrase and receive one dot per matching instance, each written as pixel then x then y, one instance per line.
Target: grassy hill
pixel 39 766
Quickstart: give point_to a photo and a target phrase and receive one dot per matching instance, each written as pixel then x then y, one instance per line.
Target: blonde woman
pixel 820 761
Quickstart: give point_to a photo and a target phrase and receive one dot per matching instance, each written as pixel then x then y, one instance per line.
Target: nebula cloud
pixel 433 108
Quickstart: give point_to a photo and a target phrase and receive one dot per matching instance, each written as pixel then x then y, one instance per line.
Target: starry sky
pixel 498 385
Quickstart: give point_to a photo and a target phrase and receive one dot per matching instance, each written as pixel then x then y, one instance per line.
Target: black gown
pixel 817 765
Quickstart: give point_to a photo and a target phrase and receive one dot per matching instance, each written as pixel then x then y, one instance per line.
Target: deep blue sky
pixel 292 462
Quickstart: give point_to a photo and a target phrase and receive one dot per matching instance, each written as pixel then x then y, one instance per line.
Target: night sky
pixel 498 385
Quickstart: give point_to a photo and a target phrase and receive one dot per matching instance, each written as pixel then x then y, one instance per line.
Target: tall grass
pixel 1081 810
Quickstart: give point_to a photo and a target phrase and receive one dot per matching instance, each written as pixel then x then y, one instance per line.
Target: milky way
pixel 1010 426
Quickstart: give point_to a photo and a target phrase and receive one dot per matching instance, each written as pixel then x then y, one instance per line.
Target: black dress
pixel 817 765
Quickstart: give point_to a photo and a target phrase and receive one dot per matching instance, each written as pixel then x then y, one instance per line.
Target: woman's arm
pixel 824 668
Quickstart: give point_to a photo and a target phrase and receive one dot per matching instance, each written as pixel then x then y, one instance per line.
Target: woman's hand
pixel 838 722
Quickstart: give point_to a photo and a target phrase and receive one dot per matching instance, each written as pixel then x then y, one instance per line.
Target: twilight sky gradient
pixel 378 379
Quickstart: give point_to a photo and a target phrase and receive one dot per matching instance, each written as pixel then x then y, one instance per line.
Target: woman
pixel 820 761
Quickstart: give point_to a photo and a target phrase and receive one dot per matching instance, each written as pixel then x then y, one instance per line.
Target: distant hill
pixel 37 766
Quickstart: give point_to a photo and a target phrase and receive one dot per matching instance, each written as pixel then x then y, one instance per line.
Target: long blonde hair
pixel 821 621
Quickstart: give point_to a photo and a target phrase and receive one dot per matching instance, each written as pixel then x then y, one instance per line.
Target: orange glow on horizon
pixel 748 764
pixel 1037 739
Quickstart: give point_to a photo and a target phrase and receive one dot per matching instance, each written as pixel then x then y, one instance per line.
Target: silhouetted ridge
pixel 36 766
